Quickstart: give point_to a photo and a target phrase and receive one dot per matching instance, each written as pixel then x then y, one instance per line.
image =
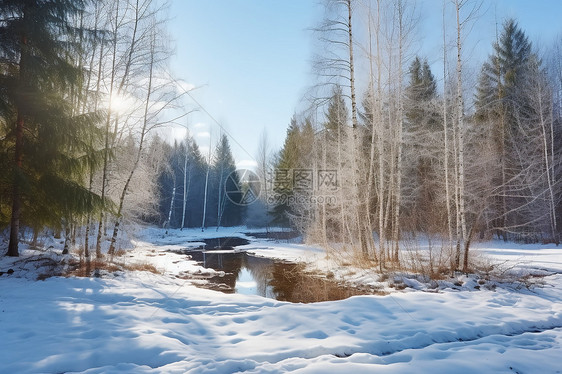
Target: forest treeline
pixel 390 147
pixel 192 188
pixel 422 152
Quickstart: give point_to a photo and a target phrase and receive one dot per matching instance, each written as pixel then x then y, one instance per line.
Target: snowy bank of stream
pixel 156 323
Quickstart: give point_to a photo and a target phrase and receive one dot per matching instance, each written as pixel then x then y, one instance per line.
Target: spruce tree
pixel 499 86
pixel 45 138
pixel 337 115
pixel 421 90
pixel 225 178
pixel 499 108
pixel 423 127
pixel 198 168
pixel 287 160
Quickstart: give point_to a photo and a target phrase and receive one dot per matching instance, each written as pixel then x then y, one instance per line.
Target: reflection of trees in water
pixel 276 235
pixel 260 269
pixel 224 243
pixel 291 283
pixel 282 280
pixel 277 280
pixel 230 263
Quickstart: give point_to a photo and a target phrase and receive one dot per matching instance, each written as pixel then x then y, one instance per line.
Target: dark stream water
pixel 251 275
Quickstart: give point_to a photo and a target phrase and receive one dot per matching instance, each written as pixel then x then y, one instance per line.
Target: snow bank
pixel 158 323
pixel 141 322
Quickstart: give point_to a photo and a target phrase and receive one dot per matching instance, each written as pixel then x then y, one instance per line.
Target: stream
pixel 247 274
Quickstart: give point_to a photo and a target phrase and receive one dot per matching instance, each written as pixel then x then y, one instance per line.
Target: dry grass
pixel 142 267
pixel 85 268
pixel 120 253
pixel 350 257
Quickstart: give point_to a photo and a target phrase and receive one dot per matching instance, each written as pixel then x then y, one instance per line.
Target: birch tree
pixel 158 98
pixel 265 173
pixel 466 12
pixel 338 67
pixel 126 22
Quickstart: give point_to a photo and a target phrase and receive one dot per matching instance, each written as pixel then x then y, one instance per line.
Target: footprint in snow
pixel 316 335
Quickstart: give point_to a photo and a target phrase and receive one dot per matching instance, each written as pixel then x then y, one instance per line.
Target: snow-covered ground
pixel 142 322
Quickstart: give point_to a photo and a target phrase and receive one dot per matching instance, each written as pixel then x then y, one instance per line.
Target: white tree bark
pixel 446 138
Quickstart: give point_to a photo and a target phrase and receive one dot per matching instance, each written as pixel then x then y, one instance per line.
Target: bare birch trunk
pixel 460 134
pixel 446 140
pixel 359 216
pixel 139 152
pixel 375 118
pixel 184 188
pixel 171 206
pixel 399 140
pixel 206 189
pixel 220 201
pixel 85 100
pixel 547 164
pixel 107 132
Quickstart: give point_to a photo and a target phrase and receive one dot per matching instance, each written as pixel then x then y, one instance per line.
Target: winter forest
pixel 428 150
pixel 403 214
pixel 85 88
pixel 387 147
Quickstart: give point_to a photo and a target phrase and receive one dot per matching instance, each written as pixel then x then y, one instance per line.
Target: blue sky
pixel 251 60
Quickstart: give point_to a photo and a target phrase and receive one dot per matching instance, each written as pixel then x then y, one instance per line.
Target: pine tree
pixel 423 128
pixel 287 160
pixel 502 75
pixel 421 90
pixel 337 115
pixel 49 153
pixel 225 178
pixel 499 107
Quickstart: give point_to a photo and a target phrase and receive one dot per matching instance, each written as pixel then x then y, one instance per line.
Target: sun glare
pixel 122 104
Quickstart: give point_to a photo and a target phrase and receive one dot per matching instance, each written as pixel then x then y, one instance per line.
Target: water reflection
pixel 224 243
pixel 276 235
pixel 247 274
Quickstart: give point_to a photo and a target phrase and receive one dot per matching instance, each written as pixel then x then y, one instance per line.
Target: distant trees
pixel 184 162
